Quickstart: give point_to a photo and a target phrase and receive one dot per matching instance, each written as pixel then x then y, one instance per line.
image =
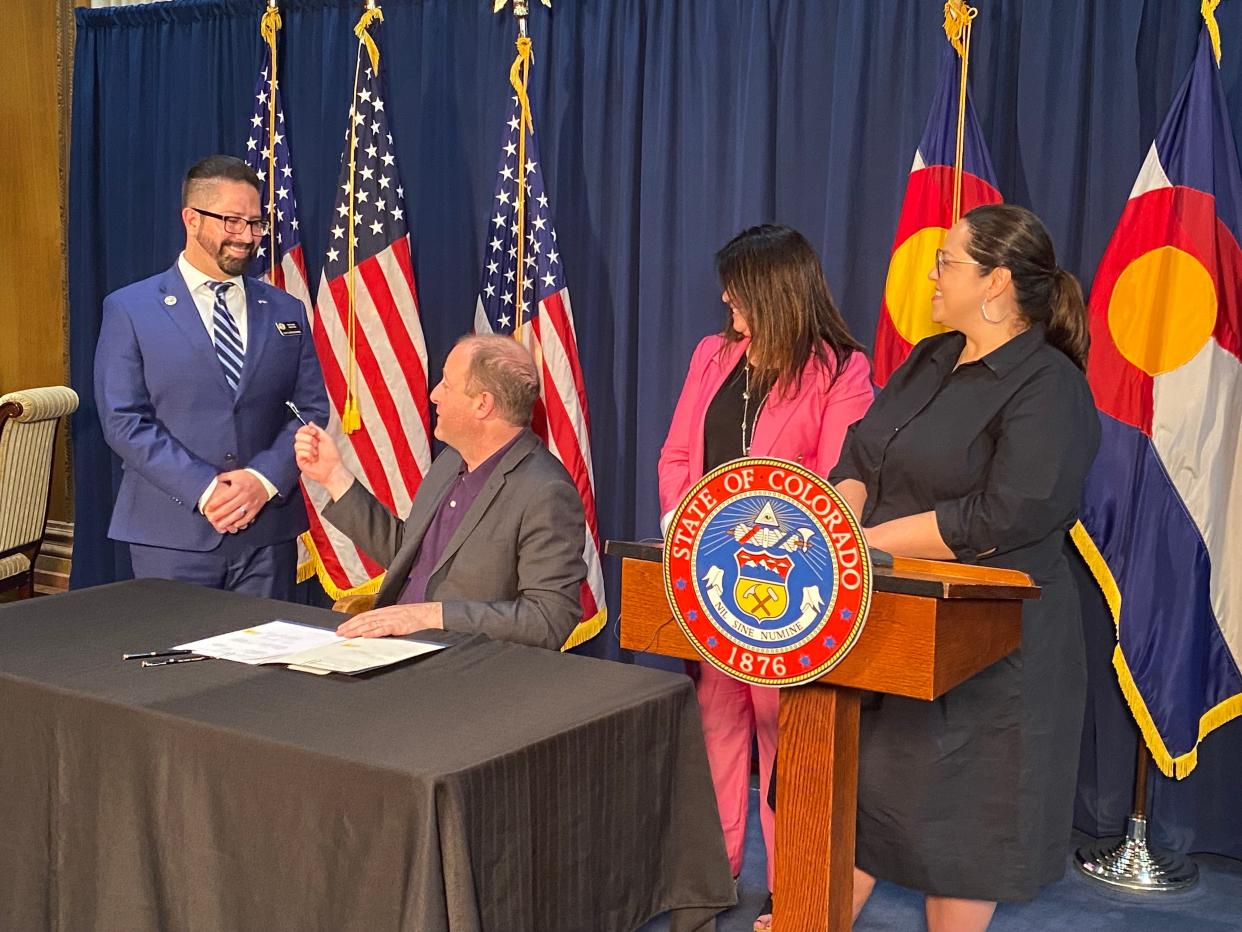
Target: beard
pixel 221 252
pixel 234 265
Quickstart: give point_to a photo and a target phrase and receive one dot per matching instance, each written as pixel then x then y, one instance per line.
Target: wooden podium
pixel 932 625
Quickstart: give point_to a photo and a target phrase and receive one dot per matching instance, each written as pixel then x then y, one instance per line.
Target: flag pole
pixel 519 77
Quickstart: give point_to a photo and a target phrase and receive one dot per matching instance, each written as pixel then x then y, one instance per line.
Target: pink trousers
pixel 732 713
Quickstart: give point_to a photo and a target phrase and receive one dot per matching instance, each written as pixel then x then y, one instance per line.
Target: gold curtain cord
pixel 519 77
pixel 269 25
pixel 351 417
pixel 958 18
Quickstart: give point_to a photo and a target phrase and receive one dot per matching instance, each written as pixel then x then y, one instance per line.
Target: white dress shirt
pixel 204 297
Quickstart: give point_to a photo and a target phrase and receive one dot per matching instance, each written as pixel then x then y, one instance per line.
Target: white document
pixel 266 643
pixel 309 649
pixel 358 655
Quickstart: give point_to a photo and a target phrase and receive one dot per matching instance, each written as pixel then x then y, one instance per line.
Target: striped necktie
pixel 226 336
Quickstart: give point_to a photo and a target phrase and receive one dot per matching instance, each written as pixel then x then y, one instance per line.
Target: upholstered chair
pixel 28 423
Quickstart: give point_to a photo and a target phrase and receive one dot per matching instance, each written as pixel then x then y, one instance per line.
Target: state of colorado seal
pixel 767 572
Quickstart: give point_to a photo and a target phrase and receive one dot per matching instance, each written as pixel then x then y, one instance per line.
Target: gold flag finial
pixel 957 19
pixel 520 7
pixel 1208 9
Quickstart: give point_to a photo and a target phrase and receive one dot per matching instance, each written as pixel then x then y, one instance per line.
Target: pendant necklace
pixel 746 410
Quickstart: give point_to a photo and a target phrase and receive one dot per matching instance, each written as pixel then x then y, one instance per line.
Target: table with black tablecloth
pixel 489 786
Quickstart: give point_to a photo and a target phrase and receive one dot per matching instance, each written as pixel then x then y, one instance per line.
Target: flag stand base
pixel 1130 863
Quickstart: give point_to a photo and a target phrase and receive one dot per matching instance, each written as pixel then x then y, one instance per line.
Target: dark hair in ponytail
pixel 1011 237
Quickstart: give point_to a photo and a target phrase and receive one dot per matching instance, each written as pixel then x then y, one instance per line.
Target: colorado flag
pixel 1163 502
pixel 926 215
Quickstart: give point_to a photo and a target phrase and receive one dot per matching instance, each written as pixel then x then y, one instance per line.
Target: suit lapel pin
pixel 170 299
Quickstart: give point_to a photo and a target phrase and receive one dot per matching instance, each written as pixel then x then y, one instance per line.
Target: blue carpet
pixel 1072 904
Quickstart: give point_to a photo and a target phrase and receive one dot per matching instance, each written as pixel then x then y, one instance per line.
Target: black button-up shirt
pixel 998 448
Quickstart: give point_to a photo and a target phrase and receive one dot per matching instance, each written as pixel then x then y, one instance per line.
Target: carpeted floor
pixel 1073 904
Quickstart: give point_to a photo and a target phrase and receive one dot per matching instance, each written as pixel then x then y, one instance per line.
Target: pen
pixel 163 663
pixel 296 413
pixel 156 653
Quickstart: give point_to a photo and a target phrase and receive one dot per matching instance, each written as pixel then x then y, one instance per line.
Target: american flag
pixel 267 153
pixel 278 258
pixel 391 450
pixel 547 330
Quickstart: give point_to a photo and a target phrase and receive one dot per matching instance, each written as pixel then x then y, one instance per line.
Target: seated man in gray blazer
pixel 493 543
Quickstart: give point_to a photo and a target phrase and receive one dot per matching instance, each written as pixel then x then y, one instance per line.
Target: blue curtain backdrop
pixel 665 127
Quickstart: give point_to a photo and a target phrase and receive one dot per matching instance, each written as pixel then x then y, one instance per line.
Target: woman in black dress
pixel 976 451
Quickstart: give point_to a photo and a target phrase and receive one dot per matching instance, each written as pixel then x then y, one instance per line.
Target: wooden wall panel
pixel 34 134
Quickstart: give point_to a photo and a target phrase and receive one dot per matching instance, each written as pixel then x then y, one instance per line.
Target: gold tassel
pixel 351 419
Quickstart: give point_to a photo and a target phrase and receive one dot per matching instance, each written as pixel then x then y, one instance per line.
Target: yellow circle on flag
pixel 908 291
pixel 1162 309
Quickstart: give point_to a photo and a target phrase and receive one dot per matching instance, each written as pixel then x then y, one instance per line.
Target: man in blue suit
pixel 193 370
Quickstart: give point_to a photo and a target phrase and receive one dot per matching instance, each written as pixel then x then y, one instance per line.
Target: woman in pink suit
pixel 784 378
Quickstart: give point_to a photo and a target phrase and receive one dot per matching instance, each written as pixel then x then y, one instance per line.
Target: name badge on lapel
pixel 289 328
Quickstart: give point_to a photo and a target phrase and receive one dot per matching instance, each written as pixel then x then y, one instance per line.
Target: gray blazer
pixel 513 570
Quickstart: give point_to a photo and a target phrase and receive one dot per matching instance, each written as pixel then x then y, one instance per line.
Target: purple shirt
pixel 453 507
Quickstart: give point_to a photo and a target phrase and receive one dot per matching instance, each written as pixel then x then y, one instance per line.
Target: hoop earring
pixel 983 309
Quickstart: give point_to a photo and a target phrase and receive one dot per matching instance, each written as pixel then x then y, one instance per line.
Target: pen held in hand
pixel 164 663
pixel 296 413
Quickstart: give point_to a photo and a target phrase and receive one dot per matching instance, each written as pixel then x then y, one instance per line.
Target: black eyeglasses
pixel 237 224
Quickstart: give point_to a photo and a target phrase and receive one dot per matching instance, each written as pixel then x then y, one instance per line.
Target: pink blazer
pixel 807 428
